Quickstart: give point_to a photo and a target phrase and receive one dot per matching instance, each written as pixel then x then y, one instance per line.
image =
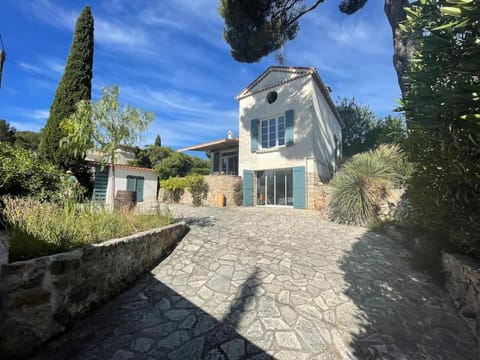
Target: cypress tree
pixel 75 85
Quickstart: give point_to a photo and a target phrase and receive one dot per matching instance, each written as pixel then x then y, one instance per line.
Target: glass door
pixel 275 187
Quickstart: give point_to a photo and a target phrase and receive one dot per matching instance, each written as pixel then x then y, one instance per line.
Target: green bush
pixel 365 181
pixel 197 187
pixel 22 173
pixel 195 184
pixel 442 106
pixel 39 228
pixel 175 186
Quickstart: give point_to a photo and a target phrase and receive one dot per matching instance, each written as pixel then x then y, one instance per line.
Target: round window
pixel 271 97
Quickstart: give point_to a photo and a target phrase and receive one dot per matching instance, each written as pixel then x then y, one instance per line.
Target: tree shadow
pixel 402 313
pixel 198 221
pixel 153 321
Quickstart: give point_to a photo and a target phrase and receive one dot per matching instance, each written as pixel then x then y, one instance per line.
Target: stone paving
pixel 263 283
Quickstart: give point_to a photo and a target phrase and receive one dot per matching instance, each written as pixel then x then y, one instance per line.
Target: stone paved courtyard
pixel 253 283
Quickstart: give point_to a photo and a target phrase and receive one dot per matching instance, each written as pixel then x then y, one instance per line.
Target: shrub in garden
pixel 22 173
pixel 198 188
pixel 175 186
pixel 365 181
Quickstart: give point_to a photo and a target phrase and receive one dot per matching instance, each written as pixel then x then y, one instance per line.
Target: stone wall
pixel 462 280
pixel 217 184
pixel 39 298
pixel 318 193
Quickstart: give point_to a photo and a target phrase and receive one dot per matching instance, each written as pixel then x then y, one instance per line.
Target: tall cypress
pixel 75 85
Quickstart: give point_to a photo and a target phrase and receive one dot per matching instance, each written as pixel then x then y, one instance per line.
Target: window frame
pixel 267 121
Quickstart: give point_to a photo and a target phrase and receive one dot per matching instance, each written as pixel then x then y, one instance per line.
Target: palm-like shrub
pixel 365 181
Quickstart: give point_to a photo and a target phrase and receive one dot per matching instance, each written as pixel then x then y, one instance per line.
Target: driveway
pixel 262 283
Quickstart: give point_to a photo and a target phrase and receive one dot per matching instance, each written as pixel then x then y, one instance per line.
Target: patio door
pixel 275 187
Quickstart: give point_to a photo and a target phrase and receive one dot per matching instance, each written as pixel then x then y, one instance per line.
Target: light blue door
pixel 299 187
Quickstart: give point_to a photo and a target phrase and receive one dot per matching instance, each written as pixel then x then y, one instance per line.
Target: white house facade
pixel 290 137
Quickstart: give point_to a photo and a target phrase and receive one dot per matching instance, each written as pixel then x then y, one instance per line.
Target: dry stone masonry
pixel 39 298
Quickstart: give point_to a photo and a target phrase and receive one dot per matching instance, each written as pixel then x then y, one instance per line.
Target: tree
pixel 107 124
pixel 158 141
pixel 362 128
pixel 442 105
pixel 75 85
pixel 7 133
pixel 29 140
pixel 177 164
pixel 392 131
pixel 256 28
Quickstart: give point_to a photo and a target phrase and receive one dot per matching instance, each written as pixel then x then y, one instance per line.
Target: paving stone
pixel 234 349
pixel 274 324
pixel 287 340
pixel 215 354
pixel 310 335
pixel 289 355
pixel 174 340
pixel 191 350
pixel 123 355
pixel 177 314
pixel 142 344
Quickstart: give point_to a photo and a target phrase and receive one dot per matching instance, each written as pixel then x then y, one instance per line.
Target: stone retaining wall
pixel 462 280
pixel 39 298
pixel 217 184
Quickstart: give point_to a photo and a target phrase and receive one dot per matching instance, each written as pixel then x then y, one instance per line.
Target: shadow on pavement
pixel 402 313
pixel 152 321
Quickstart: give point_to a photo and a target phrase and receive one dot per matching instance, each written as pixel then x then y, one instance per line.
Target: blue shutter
pixel 131 183
pixel 299 187
pixel 139 189
pixel 254 135
pixel 216 162
pixel 100 184
pixel 289 127
pixel 247 188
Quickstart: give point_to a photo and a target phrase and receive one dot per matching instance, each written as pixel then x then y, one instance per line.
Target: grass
pixel 39 229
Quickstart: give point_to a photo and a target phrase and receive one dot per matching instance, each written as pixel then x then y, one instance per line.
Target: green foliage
pixel 152 155
pixel 75 85
pixel 392 131
pixel 177 164
pixel 195 184
pixel 364 183
pixel 238 193
pixel 442 106
pixel 104 121
pixel 255 28
pixel 198 188
pixel 22 173
pixel 362 128
pixel 158 141
pixel 7 133
pixel 37 231
pixel 175 186
pixel 29 140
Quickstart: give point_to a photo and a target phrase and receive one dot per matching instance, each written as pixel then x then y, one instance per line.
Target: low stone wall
pixel 217 184
pixel 462 280
pixel 39 298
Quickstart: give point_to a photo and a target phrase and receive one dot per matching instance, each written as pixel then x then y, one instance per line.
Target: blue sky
pixel 169 57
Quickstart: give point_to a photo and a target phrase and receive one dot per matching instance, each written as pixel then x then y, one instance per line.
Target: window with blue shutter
pixel 299 187
pixel 289 128
pixel 254 135
pixel 247 188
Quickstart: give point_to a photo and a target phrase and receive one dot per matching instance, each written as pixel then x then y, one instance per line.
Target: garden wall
pixel 462 280
pixel 39 298
pixel 217 184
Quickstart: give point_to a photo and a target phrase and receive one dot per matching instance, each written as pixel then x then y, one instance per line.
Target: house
pixel 143 181
pixel 290 137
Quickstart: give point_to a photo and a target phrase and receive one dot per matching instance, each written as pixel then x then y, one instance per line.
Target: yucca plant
pixel 364 182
